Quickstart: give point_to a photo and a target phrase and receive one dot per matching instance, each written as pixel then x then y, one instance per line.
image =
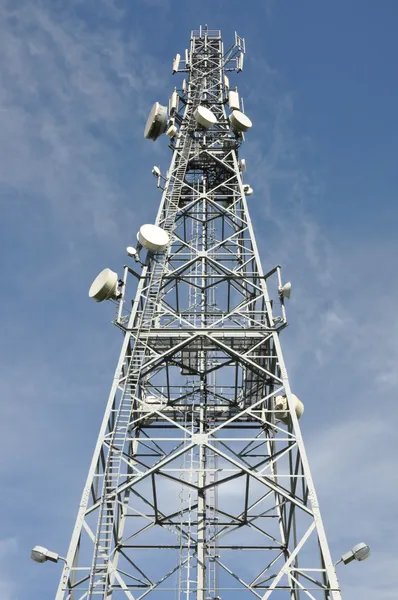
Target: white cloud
pixel 72 106
pixel 69 93
pixel 73 96
pixel 341 346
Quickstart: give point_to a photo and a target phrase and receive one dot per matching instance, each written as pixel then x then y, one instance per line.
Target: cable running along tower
pixel 199 487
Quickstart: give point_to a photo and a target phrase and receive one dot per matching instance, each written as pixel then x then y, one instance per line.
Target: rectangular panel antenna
pixel 176 63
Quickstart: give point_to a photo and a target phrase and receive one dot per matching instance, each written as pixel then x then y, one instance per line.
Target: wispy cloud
pixel 341 346
pixel 74 95
pixel 70 91
pixel 75 91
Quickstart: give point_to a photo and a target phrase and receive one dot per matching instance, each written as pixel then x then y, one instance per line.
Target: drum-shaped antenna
pixel 104 286
pixel 248 189
pixel 282 407
pixel 153 238
pixel 156 123
pixel 239 121
pixel 205 117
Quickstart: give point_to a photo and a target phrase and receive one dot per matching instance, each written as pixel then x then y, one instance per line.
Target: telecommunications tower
pixel 199 487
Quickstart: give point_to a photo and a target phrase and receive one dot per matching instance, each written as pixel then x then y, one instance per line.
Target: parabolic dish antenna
pixel 248 189
pixel 239 121
pixel 156 123
pixel 104 286
pixel 282 407
pixel 153 238
pixel 131 251
pixel 205 117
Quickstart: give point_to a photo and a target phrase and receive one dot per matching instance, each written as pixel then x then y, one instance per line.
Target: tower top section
pixel 199 104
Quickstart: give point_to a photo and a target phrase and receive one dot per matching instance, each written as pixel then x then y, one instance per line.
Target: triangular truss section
pixel 200 487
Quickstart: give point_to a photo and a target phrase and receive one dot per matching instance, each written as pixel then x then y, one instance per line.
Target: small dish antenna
pixel 205 117
pixel 282 407
pixel 242 164
pixel 131 251
pixel 104 286
pixel 285 290
pixel 248 190
pixel 239 121
pixel 156 123
pixel 153 238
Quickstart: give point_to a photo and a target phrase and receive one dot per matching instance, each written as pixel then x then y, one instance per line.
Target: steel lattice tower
pixel 199 486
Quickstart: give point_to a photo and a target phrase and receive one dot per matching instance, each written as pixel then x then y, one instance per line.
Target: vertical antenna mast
pixel 199 486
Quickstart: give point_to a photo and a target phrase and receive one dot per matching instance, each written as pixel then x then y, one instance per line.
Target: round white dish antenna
pixel 156 123
pixel 283 410
pixel 248 190
pixel 239 121
pixel 153 238
pixel 286 290
pixel 131 251
pixel 205 117
pixel 104 286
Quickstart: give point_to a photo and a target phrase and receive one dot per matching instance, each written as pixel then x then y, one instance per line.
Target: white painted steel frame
pixel 195 486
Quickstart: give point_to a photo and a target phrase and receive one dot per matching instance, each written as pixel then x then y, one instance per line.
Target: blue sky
pixel 320 85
